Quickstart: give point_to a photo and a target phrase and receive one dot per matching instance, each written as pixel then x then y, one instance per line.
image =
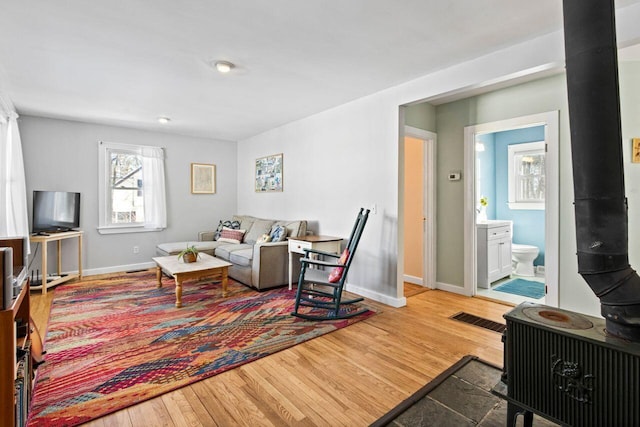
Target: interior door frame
pixel 550 120
pixel 429 140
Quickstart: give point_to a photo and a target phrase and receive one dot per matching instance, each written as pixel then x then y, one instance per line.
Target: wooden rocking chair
pixel 321 289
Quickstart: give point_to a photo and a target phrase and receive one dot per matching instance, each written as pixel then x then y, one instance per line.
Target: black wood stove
pixel 570 368
pixel 567 368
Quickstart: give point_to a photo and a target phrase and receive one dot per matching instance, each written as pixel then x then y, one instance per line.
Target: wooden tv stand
pixel 57 237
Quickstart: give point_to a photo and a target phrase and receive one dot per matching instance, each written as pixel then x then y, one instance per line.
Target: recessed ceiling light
pixel 164 120
pixel 224 66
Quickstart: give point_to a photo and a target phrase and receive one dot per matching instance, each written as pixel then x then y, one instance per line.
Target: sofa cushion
pixel 258 228
pixel 246 221
pixel 225 251
pixel 242 257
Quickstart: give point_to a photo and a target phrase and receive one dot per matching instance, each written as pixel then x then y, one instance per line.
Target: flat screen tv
pixel 55 211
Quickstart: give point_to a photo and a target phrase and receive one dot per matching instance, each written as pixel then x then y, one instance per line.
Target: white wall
pixel 63 155
pixel 334 163
pixel 347 157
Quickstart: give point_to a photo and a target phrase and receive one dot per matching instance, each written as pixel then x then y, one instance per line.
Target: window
pixel 131 180
pixel 527 175
pixel 125 184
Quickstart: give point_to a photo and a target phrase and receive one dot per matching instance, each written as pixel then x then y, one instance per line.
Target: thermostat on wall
pixel 454 176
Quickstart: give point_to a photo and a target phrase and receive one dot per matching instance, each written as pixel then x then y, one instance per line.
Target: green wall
pixel 548 94
pixel 421 116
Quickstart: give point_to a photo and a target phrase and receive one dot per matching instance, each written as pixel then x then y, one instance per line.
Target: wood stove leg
pixel 512 416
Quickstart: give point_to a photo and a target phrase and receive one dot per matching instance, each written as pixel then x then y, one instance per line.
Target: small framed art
pixel 269 173
pixel 203 178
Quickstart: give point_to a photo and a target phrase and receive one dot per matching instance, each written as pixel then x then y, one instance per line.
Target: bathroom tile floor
pixel 509 298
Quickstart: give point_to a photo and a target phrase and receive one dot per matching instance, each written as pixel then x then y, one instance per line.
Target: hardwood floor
pixel 350 377
pixel 411 289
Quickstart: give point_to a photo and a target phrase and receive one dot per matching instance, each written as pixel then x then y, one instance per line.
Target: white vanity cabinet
pixel 493 254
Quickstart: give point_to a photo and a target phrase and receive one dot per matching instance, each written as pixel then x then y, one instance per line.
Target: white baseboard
pixel 413 279
pixel 451 288
pixel 367 293
pixel 118 268
pixel 104 270
pixel 376 296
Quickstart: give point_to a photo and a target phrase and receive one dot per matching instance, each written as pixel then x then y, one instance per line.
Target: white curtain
pixel 14 218
pixel 155 203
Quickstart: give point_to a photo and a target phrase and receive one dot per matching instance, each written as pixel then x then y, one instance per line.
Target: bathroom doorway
pixel 511 209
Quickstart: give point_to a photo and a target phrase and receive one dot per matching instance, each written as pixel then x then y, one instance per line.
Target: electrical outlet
pixel 374 209
pixel 136 249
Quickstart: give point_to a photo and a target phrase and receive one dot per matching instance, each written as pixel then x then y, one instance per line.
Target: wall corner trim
pixel 377 296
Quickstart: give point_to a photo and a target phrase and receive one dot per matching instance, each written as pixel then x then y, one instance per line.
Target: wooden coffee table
pixel 207 267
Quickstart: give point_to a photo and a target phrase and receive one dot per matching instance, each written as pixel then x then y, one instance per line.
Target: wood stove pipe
pixel 598 174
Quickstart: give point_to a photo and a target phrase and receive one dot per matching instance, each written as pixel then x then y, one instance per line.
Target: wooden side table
pixel 57 237
pixel 322 243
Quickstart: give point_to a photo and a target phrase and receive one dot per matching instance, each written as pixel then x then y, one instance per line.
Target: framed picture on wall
pixel 269 173
pixel 203 178
pixel 635 158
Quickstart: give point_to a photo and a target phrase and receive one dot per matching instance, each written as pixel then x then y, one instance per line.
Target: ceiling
pixel 128 62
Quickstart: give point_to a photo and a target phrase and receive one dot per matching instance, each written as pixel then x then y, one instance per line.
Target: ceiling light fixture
pixel 224 66
pixel 164 120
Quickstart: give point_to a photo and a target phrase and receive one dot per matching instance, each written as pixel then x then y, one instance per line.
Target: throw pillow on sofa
pixel 235 225
pixel 278 233
pixel 230 235
pixel 265 238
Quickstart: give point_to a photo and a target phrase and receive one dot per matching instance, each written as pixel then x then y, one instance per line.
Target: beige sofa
pixel 260 265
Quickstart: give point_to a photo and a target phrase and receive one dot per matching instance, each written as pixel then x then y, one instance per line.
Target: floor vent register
pixel 479 321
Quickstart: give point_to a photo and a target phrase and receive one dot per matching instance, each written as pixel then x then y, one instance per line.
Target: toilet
pixel 522 257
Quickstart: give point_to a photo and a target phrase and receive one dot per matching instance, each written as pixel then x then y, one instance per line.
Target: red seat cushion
pixel 336 273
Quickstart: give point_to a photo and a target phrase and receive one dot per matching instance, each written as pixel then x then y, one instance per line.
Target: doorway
pixel 476 204
pixel 419 209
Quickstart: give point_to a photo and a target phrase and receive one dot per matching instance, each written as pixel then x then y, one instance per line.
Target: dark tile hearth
pixel 463 398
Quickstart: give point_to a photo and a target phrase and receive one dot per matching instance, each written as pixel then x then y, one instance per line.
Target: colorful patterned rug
pixel 114 343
